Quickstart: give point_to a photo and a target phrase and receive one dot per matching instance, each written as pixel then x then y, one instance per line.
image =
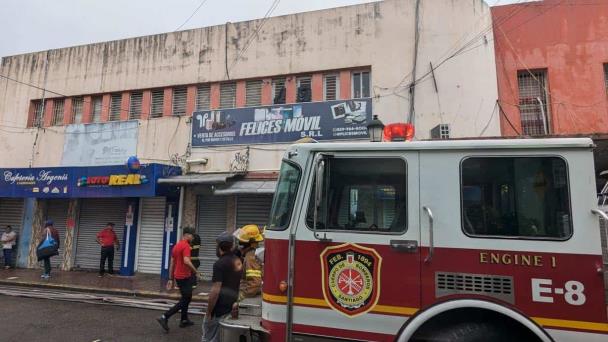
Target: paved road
pixel 29 319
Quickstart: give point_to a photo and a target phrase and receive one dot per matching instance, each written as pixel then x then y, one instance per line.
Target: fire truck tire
pixel 474 332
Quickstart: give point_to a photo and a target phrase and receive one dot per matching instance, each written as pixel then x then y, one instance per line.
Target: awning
pixel 247 187
pixel 210 178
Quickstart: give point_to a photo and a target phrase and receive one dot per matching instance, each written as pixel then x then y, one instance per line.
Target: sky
pixel 36 25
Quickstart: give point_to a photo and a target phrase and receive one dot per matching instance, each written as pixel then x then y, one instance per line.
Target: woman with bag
pixel 48 247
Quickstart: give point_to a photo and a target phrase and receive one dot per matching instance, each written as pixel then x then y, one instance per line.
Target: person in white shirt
pixel 9 239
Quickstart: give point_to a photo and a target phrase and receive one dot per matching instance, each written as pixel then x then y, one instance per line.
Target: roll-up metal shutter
pixel 57 210
pixel 151 233
pixel 253 210
pixel 211 223
pixel 11 213
pixel 94 214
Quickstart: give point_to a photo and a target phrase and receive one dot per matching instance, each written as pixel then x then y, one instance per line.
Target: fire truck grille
pixel 499 287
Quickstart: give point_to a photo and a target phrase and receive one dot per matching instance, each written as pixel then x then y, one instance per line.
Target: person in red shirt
pixel 183 272
pixel 107 239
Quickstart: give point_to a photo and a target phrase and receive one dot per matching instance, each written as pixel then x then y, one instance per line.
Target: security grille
pixel 278 90
pixel 211 223
pixel 304 84
pixel 151 233
pixel 179 100
pixel 253 210
pixel 77 110
pixel 228 95
pixel 57 210
pixel 96 109
pixel 497 286
pixel 38 108
pixel 11 213
pixel 533 102
pixel 115 107
pixel 330 87
pixel 157 103
pixel 58 112
pixel 253 93
pixel 135 105
pixel 360 84
pixel 203 97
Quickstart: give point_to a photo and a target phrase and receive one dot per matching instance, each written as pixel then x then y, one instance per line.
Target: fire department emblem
pixel 351 278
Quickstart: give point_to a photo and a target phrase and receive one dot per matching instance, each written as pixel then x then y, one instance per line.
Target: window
pixel 516 197
pixel 157 103
pixel 179 100
pixel 77 109
pixel 331 87
pixel 359 196
pixel 135 105
pixel 38 109
pixel 203 97
pixel 228 95
pixel 533 102
pixel 285 196
pixel 58 112
pixel 96 109
pixel 278 90
pixel 253 93
pixel 441 131
pixel 304 89
pixel 115 107
pixel 360 84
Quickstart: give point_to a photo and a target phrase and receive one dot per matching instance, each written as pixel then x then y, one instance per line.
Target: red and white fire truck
pixel 465 240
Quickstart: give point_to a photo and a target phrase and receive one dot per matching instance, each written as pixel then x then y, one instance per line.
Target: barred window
pixel 253 93
pixel 179 100
pixel 58 106
pixel 228 95
pixel 77 109
pixel 304 89
pixel 360 84
pixel 157 103
pixel 38 108
pixel 96 109
pixel 135 105
pixel 533 102
pixel 278 90
pixel 203 97
pixel 331 87
pixel 115 107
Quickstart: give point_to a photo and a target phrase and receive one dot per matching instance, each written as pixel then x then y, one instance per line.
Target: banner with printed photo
pixel 332 120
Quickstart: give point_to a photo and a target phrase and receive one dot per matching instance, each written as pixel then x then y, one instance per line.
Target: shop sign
pixel 331 120
pixel 113 180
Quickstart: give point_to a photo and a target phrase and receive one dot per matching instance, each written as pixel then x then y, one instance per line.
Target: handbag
pixel 47 248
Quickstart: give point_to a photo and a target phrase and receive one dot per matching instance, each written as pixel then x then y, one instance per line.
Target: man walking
pixel 9 238
pixel 107 239
pixel 182 272
pixel 227 273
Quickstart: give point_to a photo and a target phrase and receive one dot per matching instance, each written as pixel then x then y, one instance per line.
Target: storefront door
pixel 151 232
pixel 211 223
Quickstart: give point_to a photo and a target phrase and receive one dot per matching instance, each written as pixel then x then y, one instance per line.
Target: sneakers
pixel 163 323
pixel 45 276
pixel 184 324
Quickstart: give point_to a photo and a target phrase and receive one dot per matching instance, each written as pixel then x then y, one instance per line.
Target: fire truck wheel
pixel 474 332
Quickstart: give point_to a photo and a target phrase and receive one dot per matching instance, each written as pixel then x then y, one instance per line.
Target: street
pixel 27 319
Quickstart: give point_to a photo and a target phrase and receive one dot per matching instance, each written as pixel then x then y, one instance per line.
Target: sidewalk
pixel 140 285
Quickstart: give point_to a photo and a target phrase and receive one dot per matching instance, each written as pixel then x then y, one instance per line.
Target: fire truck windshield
pixel 285 195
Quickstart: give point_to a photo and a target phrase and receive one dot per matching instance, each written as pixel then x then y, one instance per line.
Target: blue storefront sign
pixel 331 120
pixel 82 182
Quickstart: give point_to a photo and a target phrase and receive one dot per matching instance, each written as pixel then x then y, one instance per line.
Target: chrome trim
pixel 431 239
pixel 600 213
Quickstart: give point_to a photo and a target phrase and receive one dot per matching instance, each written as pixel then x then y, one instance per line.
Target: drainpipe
pixel 542 111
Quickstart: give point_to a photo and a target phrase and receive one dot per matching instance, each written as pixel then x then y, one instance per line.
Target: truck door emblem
pixel 351 278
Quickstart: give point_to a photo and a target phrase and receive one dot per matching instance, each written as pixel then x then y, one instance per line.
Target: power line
pixel 192 15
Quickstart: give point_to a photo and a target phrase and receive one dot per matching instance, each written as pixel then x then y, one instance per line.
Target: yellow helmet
pixel 249 233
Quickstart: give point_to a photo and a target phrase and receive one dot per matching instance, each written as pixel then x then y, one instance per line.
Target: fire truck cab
pixel 465 240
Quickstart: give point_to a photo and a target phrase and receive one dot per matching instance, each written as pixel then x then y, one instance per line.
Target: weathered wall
pixel 569 41
pixel 376 35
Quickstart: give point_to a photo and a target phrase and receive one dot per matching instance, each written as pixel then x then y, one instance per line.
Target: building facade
pixel 223 102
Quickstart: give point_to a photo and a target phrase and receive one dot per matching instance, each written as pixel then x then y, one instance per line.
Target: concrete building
pixel 218 101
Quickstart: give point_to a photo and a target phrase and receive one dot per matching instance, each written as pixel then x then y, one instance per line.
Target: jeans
pixel 8 256
pixel 211 328
pixel 107 253
pixel 47 265
pixel 185 289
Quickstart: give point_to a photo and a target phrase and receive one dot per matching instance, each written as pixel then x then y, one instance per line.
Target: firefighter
pixel 249 237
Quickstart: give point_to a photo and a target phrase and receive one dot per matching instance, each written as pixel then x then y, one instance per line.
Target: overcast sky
pixel 35 25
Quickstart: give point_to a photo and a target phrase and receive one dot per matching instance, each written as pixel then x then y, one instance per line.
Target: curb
pixel 109 291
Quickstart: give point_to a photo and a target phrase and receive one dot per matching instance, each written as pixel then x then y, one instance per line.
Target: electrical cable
pixel 190 17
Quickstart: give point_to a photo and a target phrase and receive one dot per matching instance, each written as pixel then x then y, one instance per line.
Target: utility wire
pixel 192 15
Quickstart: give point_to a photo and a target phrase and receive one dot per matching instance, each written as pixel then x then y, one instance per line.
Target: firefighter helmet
pixel 249 233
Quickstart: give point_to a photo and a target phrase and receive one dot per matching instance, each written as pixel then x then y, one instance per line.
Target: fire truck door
pixel 357 268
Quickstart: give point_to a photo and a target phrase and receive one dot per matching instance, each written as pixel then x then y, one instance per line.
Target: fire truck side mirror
pixel 319 169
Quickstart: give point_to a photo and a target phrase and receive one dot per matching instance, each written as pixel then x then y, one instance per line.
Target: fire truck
pixel 462 240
